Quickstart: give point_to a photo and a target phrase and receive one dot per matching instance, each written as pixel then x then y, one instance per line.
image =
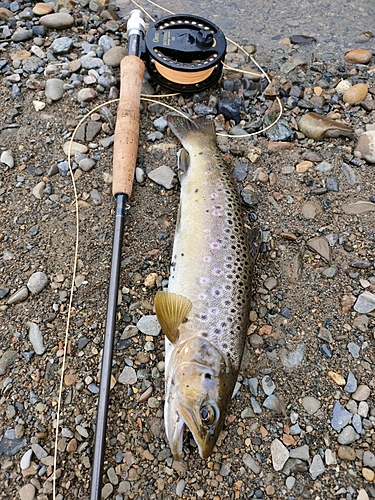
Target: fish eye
pixel 207 414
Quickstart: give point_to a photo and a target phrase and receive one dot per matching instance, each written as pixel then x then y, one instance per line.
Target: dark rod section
pixel 105 378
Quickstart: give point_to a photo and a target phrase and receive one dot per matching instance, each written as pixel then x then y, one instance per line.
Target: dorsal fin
pixel 171 310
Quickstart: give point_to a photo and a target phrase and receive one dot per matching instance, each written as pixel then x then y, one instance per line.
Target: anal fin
pixel 171 309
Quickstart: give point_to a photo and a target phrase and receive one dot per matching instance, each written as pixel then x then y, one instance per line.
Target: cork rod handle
pixel 125 147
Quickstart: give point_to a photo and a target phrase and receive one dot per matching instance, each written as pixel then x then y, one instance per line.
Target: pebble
pixel 76 147
pixel 311 210
pixel 180 486
pixel 19 296
pixel 369 459
pixel 128 376
pixel 301 452
pixel 61 45
pixel 279 454
pixel 321 246
pixel 268 385
pixel 351 383
pixel 41 9
pixel 26 459
pixel 362 393
pixel 164 176
pixel 38 189
pixel 358 207
pixel 60 21
pixel 348 435
pixel 114 56
pixel 365 303
pixel 311 404
pixel 54 89
pixel 354 349
pixel 37 282
pixel 346 453
pixel 36 338
pixel 107 490
pixel 27 492
pixel 6 361
pixel 86 95
pixel 317 127
pixel 359 56
pixel 317 467
pixel 343 86
pixel 7 159
pixel 251 463
pixel 341 417
pixel 355 94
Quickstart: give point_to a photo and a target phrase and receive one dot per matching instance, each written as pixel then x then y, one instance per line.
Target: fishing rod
pixel 124 163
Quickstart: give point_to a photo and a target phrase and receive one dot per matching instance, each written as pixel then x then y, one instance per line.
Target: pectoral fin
pixel 171 310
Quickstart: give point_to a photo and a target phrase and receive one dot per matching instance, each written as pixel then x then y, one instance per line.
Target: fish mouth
pixel 187 422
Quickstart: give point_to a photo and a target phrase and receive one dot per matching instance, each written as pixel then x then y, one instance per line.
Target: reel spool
pixel 184 53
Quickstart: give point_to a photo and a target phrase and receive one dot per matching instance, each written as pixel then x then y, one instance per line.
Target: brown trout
pixel 204 314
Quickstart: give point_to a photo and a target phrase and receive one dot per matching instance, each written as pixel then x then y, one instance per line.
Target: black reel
pixel 184 53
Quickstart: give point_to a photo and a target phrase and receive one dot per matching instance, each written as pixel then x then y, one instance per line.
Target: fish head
pixel 198 391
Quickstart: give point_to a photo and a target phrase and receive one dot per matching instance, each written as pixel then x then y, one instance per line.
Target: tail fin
pixel 187 130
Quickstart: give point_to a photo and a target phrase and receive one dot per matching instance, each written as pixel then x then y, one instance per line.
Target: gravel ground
pixel 302 420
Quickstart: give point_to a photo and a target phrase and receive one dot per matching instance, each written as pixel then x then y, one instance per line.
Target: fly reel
pixel 184 53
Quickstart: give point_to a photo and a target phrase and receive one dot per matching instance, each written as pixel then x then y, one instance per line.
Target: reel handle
pixel 125 148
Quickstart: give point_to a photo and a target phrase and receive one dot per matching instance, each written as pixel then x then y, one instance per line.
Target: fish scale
pixel 205 311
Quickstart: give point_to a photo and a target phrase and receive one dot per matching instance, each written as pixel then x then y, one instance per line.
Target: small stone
pixel 268 385
pixel 355 94
pixel 317 127
pixel 341 417
pixel 107 490
pixel 321 246
pixel 354 349
pixel 304 166
pixel 38 190
pixel 251 463
pixel 75 147
pixel 279 453
pixel 362 495
pixel 86 95
pixel 362 393
pixel 346 453
pixel 114 56
pixel 337 378
pixel 301 452
pixel 41 9
pixel 37 282
pixel 368 474
pixel 311 404
pixel 363 409
pixel 61 45
pixel 359 207
pixel 7 159
pixel 270 283
pixel 180 487
pixel 27 492
pixel 163 176
pixel 343 86
pixel 36 338
pixel 60 20
pixel 26 459
pixel 19 296
pixel 6 361
pixel 128 376
pixel 311 209
pixel 71 447
pixel 368 459
pixel 38 451
pixel 330 457
pixel 351 383
pixel 348 435
pixel 273 403
pixel 86 164
pixel 365 303
pixel 359 56
pixel 317 467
